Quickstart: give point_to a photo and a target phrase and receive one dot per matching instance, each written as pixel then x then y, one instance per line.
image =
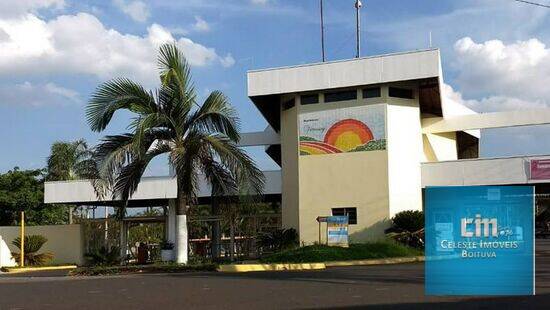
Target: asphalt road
pixel 379 287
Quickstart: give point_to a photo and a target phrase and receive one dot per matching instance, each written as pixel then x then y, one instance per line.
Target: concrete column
pixel 181 239
pixel 171 222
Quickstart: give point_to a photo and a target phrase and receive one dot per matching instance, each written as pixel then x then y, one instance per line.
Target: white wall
pixel 405 152
pixel 65 242
pixel 489 171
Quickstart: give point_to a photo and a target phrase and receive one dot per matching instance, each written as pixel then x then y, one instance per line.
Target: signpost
pixel 337 230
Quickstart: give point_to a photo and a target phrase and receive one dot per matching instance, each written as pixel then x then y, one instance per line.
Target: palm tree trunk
pixel 216 235
pixel 181 230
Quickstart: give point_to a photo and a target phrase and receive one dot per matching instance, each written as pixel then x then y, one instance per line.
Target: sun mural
pixel 342 130
pixel 348 135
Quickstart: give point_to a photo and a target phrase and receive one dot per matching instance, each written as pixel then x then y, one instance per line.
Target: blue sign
pixel 337 230
pixel 480 240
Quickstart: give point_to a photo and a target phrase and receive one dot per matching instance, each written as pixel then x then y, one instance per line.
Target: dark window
pixel 350 212
pixel 401 93
pixel 309 99
pixel 341 96
pixel 373 92
pixel 288 104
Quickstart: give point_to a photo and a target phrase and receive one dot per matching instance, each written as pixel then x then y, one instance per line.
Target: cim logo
pixel 490 227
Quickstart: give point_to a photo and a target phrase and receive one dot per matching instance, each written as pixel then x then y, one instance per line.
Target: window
pixel 373 92
pixel 341 96
pixel 401 93
pixel 350 212
pixel 309 99
pixel 289 104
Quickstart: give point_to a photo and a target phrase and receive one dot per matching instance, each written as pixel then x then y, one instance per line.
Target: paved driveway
pixel 383 287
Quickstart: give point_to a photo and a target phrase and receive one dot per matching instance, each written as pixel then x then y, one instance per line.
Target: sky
pixel 54 53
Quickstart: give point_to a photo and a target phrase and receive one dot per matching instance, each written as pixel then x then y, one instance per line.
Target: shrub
pixel 321 253
pixel 103 256
pixel 408 228
pixel 33 244
pixel 408 221
pixel 277 240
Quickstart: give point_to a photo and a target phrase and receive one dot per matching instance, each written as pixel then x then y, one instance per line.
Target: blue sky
pixel 53 53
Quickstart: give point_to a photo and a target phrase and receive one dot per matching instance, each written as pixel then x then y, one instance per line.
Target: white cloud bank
pixel 137 10
pixel 81 44
pixel 506 76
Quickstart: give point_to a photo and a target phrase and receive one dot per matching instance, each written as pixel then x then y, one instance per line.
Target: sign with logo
pixel 337 230
pixel 480 240
pixel 540 169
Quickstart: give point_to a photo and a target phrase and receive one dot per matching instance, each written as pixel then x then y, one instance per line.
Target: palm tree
pixel 70 161
pixel 199 140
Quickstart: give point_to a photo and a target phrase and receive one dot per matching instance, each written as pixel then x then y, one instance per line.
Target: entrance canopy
pixel 151 191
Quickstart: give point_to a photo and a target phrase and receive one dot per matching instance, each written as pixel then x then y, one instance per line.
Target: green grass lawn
pixel 323 253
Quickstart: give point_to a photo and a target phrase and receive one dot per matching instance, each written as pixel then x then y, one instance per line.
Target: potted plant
pixel 166 251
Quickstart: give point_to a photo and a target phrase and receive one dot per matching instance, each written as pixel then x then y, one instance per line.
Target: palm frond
pixel 175 76
pixel 216 115
pixel 115 95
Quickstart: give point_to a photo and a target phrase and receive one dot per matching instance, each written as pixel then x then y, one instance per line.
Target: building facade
pixel 358 137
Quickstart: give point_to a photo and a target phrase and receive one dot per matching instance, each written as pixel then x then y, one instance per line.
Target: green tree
pixel 70 161
pixel 198 138
pixel 23 190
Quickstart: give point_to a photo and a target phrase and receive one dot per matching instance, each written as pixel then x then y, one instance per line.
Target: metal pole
pixel 322 32
pixel 358 5
pixel 22 257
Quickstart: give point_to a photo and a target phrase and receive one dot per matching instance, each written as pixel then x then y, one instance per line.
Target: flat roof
pixel 411 65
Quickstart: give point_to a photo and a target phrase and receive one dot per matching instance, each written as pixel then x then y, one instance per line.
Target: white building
pixel 361 137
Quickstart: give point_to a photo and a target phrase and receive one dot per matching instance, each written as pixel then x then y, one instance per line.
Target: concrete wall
pixel 64 241
pixel 405 153
pixel 355 180
pixel 439 147
pixel 289 163
pixel 487 171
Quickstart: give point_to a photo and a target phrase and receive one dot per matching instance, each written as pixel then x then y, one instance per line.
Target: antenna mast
pixel 322 31
pixel 358 5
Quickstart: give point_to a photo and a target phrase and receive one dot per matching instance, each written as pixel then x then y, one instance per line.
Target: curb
pixel 31 269
pixel 318 266
pixel 270 267
pixel 382 261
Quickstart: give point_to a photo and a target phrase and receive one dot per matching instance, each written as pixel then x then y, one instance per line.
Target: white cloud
pixel 227 61
pixel 137 10
pixel 36 94
pixel 492 103
pixel 201 25
pixel 11 8
pixel 259 2
pixel 520 69
pixel 82 44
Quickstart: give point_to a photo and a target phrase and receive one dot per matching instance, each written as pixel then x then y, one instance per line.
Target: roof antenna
pixel 358 6
pixel 322 31
pixel 430 39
